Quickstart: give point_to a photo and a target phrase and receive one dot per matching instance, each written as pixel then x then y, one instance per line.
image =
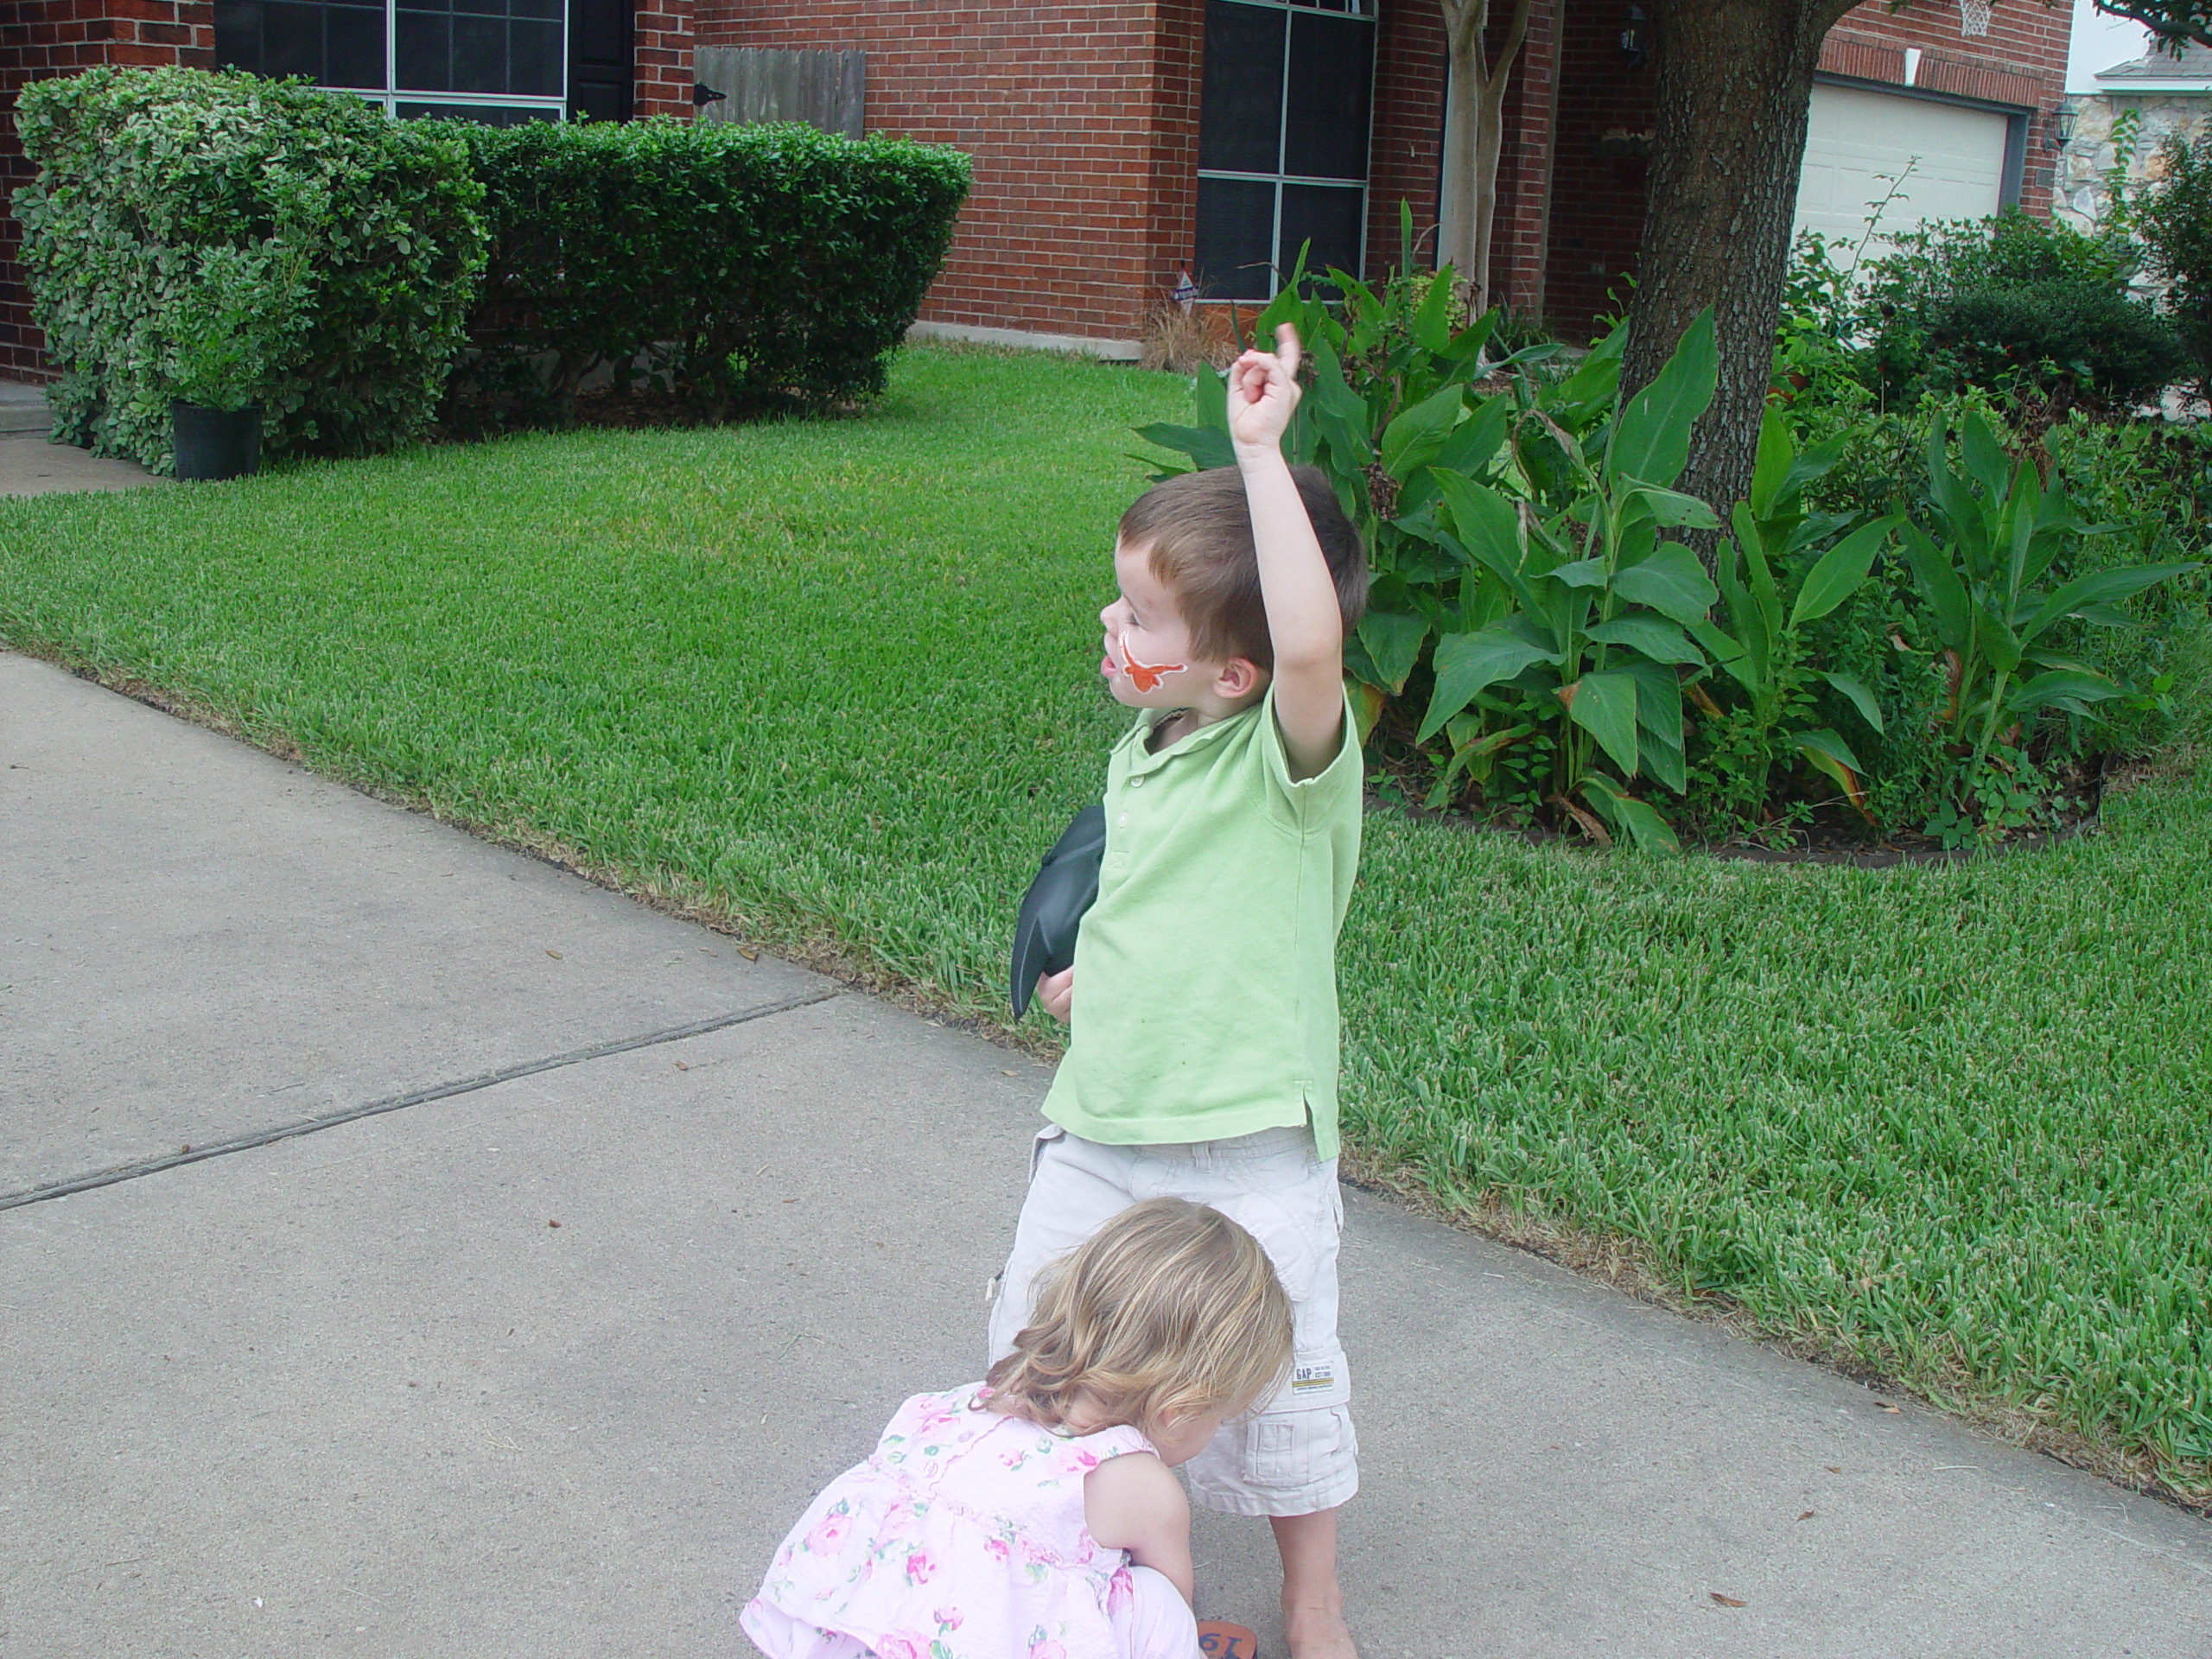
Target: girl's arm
pixel 1134 1503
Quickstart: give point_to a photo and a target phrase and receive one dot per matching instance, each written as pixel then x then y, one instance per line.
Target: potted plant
pixel 228 332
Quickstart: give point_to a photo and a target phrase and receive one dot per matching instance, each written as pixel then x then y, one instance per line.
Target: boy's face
pixel 1146 660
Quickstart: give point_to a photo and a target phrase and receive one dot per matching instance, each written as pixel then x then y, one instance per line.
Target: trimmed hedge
pixel 157 187
pixel 738 264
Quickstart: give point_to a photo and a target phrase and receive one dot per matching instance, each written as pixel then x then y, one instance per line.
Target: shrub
pixel 2118 349
pixel 157 189
pixel 735 263
pixel 2174 219
pixel 2010 302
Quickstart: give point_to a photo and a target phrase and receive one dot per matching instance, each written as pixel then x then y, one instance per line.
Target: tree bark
pixel 1474 136
pixel 1735 92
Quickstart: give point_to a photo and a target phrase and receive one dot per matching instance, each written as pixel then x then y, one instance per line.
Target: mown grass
pixel 833 681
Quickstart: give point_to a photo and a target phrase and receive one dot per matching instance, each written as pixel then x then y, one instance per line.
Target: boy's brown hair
pixel 1197 528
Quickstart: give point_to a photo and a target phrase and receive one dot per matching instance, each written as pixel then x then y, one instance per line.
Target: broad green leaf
pixel 2047 689
pixel 1659 721
pixel 1962 512
pixel 1651 436
pixel 1860 698
pixel 1663 642
pixel 1393 642
pixel 1999 643
pixel 1771 469
pixel 1343 413
pixel 1475 440
pixel 1838 573
pixel 1603 705
pixel 1469 662
pixel 1940 586
pixel 2101 588
pixel 1598 376
pixel 1827 753
pixel 1758 572
pixel 1464 351
pixel 1734 660
pixel 1671 582
pixel 1210 397
pixel 1644 826
pixel 1983 455
pixel 1670 507
pixel 1578 572
pixel 1203 445
pixel 1432 322
pixel 1411 440
pixel 1489 527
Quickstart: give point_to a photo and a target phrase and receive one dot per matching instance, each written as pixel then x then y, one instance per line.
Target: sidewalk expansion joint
pixel 62 1189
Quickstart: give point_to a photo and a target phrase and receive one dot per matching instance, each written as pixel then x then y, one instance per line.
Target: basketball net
pixel 1973 17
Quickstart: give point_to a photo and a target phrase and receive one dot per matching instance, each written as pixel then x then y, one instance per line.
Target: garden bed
pixel 828 686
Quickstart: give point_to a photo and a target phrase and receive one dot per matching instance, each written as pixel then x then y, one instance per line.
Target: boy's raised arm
pixel 1304 624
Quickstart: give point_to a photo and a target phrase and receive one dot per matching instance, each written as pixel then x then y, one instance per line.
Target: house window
pixel 1282 140
pixel 495 61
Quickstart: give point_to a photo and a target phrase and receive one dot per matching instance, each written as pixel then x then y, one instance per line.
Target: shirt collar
pixel 1143 759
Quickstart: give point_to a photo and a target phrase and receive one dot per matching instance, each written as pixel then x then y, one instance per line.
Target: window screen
pixel 1286 100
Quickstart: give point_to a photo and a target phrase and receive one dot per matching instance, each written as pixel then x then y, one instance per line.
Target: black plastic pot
pixel 214 443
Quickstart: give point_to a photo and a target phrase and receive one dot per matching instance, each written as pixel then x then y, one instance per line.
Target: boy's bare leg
pixel 1312 1601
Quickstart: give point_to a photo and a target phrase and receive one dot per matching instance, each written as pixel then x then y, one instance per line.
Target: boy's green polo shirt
pixel 1205 975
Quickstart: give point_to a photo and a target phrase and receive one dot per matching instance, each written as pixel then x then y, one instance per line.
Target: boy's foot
pixel 1219 1639
pixel 1317 1633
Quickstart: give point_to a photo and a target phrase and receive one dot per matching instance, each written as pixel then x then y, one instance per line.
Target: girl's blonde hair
pixel 1169 1311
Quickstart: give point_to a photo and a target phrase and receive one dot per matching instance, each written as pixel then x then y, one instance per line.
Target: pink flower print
pixel 1014 1459
pixel 893 1645
pixel 828 1534
pixel 1085 1461
pixel 996 1549
pixel 948 1618
pixel 1121 1592
pixel 1047 1649
pixel 921 1567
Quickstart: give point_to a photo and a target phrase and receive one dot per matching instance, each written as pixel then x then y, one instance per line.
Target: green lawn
pixel 835 681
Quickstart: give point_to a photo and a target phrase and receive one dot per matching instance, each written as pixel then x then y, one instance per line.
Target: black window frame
pixel 1278 181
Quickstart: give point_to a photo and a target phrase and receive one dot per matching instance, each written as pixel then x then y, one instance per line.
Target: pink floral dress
pixel 963 1537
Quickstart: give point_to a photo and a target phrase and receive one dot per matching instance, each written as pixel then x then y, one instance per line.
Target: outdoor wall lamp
pixel 1635 37
pixel 2067 117
pixel 703 94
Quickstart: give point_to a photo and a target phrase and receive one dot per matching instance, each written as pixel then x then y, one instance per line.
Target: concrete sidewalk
pixel 641 1242
pixel 31 466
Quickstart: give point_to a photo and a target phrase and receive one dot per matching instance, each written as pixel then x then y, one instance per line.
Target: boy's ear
pixel 1240 678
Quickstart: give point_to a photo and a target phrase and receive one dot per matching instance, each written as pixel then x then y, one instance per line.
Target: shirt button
pixel 1136 783
pixel 1123 822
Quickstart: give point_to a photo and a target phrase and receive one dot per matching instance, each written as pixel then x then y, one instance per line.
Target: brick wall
pixel 40 38
pixel 661 59
pixel 1406 143
pixel 1521 234
pixel 1082 119
pixel 1604 112
pixel 1596 218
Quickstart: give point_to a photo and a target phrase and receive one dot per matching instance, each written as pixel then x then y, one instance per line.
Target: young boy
pixel 1202 1057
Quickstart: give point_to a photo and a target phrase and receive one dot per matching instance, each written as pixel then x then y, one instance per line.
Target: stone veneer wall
pixel 2082 195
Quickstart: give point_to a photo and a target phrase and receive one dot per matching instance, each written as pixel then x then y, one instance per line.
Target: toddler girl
pixel 1034 1513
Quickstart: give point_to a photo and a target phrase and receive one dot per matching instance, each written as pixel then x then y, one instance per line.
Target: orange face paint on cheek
pixel 1147 676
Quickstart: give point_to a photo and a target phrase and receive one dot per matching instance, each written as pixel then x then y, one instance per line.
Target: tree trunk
pixel 1735 91
pixel 1474 136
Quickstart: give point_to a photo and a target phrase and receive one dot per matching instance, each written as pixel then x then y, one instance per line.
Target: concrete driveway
pixel 410 1249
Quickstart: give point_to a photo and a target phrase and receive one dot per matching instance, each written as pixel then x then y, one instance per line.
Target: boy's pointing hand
pixel 1262 392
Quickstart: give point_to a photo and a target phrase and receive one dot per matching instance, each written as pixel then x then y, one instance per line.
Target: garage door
pixel 1859 140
